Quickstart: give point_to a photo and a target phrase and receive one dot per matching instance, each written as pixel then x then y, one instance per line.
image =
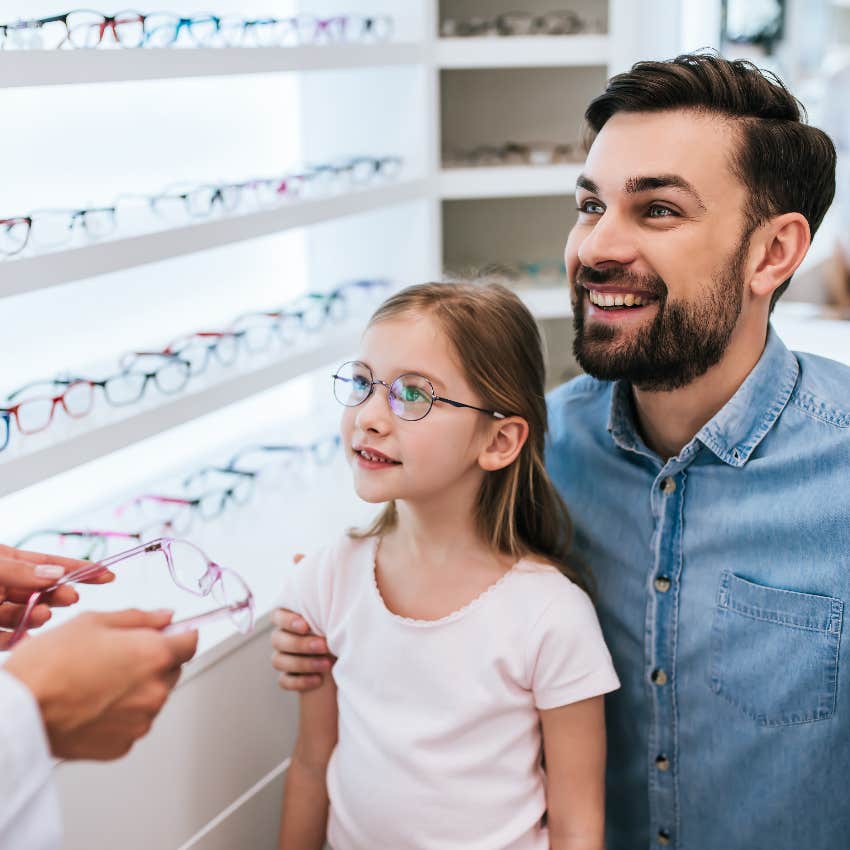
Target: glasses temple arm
pixel 495 414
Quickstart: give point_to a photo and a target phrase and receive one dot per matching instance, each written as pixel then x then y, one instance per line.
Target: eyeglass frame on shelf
pixel 333 441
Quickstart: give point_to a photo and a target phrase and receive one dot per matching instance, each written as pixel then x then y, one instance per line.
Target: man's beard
pixel 681 343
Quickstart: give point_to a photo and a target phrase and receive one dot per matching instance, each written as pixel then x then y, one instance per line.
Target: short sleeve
pixel 567 653
pixel 308 589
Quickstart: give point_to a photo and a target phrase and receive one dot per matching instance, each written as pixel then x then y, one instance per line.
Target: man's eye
pixel 360 383
pixel 657 211
pixel 591 207
pixel 412 394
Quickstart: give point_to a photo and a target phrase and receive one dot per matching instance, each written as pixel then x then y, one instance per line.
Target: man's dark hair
pixel 786 164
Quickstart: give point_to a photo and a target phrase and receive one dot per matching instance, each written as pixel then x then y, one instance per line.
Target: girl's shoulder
pixel 535 572
pixel 320 583
pixel 342 553
pixel 542 585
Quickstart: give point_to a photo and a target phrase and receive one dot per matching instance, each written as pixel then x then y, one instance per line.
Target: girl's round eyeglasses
pixel 410 396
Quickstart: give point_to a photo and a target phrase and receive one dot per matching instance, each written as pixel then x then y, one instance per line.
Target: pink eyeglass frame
pixel 163 544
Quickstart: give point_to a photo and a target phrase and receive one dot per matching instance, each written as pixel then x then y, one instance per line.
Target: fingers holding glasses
pixel 62 597
pixel 11 614
pixel 28 571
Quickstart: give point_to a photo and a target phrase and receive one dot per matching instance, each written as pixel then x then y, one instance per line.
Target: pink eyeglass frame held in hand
pixel 209 579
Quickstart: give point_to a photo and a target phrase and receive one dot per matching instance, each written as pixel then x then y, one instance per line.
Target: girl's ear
pixel 507 438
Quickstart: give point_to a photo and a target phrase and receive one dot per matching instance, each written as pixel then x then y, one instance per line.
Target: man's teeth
pixel 367 456
pixel 607 299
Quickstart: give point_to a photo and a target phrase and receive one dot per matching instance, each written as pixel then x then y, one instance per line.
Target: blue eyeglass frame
pixel 433 395
pixel 5 429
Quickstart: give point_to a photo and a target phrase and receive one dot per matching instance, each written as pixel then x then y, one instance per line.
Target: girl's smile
pixel 368 458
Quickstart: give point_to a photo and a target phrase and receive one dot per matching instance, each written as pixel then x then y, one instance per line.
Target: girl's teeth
pixel 374 459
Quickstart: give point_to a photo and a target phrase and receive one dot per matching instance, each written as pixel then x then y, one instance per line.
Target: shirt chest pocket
pixel 774 653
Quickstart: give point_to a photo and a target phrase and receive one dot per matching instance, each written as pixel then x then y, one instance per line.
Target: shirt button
pixel 663 837
pixel 668 486
pixel 662 763
pixel 662 584
pixel 659 677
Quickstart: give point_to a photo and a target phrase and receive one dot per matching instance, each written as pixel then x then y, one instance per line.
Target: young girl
pixel 465 709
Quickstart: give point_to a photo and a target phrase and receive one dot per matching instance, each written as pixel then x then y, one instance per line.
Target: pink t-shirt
pixel 439 737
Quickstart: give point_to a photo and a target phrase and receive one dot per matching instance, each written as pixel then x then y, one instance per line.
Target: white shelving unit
pixel 30 274
pixel 56 68
pixel 538 51
pixel 344 236
pixel 490 89
pixel 508 181
pixel 95 442
pixel 546 301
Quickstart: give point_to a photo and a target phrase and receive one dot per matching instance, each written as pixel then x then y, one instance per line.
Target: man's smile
pixel 610 302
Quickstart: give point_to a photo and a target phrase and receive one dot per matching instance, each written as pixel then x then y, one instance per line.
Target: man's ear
pixel 783 242
pixel 507 437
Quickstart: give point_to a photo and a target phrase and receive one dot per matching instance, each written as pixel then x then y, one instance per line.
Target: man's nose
pixel 610 240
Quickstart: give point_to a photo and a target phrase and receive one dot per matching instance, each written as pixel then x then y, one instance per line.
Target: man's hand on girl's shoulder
pixel 301 657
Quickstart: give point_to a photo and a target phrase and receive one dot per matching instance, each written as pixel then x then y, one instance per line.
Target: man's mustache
pixel 626 279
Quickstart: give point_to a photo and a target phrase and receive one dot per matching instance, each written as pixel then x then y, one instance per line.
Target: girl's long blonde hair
pixel 518 511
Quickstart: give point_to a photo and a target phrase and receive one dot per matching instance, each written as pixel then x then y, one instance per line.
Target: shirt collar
pixel 742 423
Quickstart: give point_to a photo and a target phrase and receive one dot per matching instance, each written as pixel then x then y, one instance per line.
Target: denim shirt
pixel 723 583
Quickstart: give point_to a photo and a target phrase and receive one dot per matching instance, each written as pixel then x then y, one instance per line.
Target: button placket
pixel 667 499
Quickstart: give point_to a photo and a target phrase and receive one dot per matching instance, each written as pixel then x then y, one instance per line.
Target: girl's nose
pixel 374 414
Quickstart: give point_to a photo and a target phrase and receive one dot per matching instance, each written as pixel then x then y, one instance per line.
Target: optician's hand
pixel 301 657
pixel 21 573
pixel 101 679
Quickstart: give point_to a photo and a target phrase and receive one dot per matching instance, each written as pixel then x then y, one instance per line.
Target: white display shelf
pixel 508 181
pixel 40 272
pixel 536 51
pixel 63 67
pixel 41 464
pixel 547 300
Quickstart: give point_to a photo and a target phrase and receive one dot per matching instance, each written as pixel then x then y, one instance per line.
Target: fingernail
pixel 49 571
pixel 317 645
pixel 164 612
pixel 298 624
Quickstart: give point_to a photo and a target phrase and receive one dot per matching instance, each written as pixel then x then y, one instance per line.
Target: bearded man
pixel 706 466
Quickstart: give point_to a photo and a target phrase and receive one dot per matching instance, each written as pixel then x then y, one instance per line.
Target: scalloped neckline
pixel 440 621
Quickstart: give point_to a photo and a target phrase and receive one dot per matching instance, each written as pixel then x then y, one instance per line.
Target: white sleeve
pixel 568 656
pixel 308 588
pixel 29 808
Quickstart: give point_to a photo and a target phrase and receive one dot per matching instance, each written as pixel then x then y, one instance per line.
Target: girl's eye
pixel 412 394
pixel 591 207
pixel 657 211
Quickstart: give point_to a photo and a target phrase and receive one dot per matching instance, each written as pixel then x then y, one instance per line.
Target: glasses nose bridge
pixel 378 381
pixel 364 408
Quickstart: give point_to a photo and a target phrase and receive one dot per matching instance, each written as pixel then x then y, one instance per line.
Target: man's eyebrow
pixel 636 185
